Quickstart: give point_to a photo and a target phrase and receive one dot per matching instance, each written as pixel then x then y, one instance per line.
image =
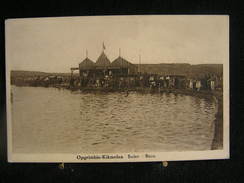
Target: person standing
pixel 198 85
pixel 212 84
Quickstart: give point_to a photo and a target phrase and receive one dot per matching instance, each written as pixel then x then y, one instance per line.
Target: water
pixel 49 120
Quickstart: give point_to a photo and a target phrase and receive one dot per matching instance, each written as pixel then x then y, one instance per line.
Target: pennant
pixel 104 46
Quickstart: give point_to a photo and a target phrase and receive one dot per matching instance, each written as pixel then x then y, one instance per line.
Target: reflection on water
pixel 49 120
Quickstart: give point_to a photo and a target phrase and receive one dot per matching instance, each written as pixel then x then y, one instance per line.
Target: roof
pixel 103 60
pixel 121 62
pixel 86 63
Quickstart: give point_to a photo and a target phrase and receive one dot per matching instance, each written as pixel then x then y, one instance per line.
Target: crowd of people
pixel 152 81
pixel 208 82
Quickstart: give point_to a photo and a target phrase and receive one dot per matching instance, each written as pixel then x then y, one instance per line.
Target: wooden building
pixel 103 67
pixel 123 67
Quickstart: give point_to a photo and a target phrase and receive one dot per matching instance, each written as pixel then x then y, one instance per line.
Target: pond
pixel 51 120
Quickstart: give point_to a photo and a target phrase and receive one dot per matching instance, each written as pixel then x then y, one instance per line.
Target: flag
pixel 103 46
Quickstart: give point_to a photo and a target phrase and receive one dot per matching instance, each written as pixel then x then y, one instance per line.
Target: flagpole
pixel 121 69
pixel 105 68
pixel 103 47
pixel 140 64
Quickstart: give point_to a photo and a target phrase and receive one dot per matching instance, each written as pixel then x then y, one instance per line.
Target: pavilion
pixel 103 67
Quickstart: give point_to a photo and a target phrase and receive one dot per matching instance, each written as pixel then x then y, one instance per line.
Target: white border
pixel 159 156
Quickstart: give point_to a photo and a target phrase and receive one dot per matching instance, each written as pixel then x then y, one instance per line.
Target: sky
pixel 57 44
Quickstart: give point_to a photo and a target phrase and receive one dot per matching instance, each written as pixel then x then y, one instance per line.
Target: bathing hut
pixel 86 67
pixel 86 64
pixel 121 66
pixel 101 67
pixel 102 61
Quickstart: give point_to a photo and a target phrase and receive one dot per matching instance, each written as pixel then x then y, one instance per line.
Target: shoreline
pixel 217 142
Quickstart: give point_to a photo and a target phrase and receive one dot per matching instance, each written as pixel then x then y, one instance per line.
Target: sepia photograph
pixel 117 88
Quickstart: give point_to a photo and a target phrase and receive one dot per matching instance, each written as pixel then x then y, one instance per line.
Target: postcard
pixel 117 88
